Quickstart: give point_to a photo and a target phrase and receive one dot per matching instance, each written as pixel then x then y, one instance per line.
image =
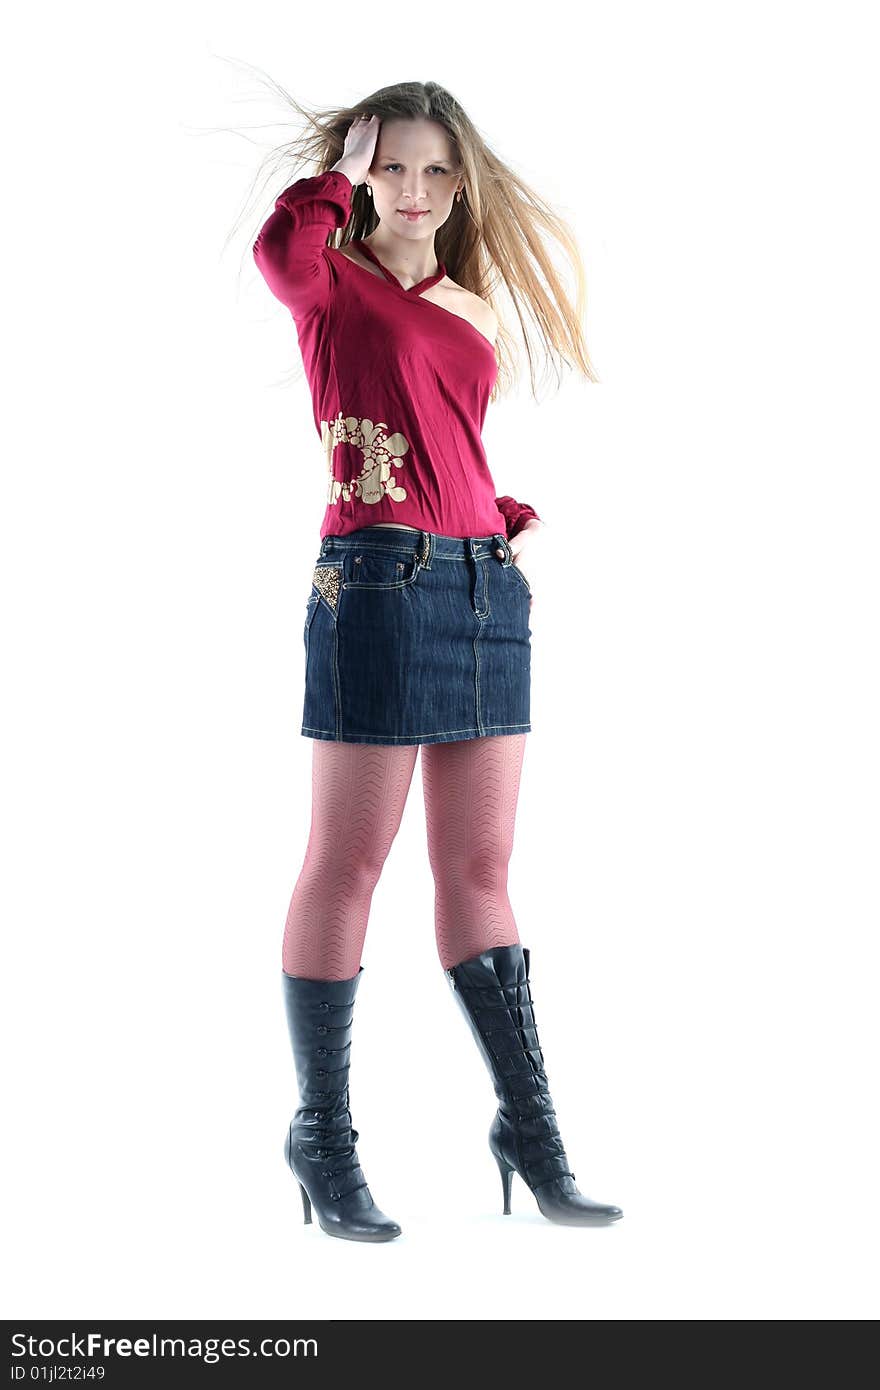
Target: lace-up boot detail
pixel 320 1147
pixel 494 992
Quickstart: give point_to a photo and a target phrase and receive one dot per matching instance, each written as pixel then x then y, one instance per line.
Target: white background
pixel 695 867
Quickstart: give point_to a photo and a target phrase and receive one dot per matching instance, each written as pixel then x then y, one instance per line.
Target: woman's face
pixel 413 170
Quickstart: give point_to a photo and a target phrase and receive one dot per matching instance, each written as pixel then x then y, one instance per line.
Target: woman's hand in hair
pixel 359 148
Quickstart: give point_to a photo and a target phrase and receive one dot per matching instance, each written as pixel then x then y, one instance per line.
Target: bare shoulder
pixel 470 306
pixel 486 318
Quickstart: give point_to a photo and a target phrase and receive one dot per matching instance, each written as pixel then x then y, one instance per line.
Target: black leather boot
pixel 320 1145
pixel 495 996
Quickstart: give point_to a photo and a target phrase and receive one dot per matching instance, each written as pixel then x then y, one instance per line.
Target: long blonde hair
pixel 494 241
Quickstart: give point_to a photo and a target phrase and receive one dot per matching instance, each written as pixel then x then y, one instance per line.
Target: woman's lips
pixel 413 216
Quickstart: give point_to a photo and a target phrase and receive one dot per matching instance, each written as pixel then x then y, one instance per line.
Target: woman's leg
pixel 359 791
pixel 471 789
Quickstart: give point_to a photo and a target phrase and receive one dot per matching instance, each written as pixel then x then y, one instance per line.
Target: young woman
pixel 417 626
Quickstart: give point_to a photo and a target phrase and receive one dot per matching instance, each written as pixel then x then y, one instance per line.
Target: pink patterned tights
pixel 359 791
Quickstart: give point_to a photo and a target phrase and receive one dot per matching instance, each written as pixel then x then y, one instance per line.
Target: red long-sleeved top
pixel 399 384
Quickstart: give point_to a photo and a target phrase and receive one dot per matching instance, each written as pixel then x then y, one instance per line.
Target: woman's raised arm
pixel 289 250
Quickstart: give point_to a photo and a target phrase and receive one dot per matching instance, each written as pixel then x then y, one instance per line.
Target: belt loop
pixel 508 553
pixel 426 550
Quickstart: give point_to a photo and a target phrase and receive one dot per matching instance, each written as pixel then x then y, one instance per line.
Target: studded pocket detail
pixel 327 579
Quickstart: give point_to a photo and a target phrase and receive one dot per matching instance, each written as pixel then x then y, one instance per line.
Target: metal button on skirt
pixel 414 637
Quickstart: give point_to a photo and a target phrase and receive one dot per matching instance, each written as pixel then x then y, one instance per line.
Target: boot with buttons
pixel 494 993
pixel 320 1144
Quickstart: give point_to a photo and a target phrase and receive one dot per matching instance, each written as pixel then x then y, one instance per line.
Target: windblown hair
pixel 494 241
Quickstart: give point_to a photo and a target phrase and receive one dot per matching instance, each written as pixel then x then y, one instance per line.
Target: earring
pixel 369 189
pixel 458 196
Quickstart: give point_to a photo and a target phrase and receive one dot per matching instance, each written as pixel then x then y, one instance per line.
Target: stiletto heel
pixel 494 992
pixel 307 1206
pixel 506 1179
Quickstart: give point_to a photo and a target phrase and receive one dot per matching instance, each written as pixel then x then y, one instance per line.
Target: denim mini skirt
pixel 414 637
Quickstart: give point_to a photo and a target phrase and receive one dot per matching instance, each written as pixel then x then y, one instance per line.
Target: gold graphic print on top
pixel 382 452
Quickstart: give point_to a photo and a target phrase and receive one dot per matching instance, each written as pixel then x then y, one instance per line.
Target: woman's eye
pixel 389 167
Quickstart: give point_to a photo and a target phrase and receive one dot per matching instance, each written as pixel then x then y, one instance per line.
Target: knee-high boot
pixel 494 992
pixel 320 1144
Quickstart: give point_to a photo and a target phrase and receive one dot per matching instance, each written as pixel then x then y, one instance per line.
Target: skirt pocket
pixel 520 576
pixel 375 568
pixel 310 613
